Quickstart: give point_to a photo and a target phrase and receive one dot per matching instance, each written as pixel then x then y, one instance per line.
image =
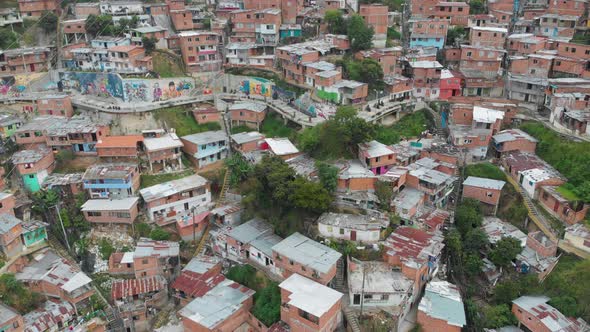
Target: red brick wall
pixel 117 152
pixel 228 325
pixel 290 315
pixel 285 265
pixel 521 145
pixel 434 324
pixel 480 194
pixel 47 162
pixel 106 216
pixel 357 184
pixel 7 205
pixel 530 320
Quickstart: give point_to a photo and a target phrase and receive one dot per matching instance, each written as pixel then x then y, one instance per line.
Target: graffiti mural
pixel 256 86
pixel 95 84
pixel 9 86
pixel 128 90
pixel 155 90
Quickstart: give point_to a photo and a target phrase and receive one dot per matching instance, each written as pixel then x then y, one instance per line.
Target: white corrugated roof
pixel 310 296
pixel 109 204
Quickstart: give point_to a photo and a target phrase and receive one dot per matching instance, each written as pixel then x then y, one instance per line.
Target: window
pixel 385 297
pixel 489 194
pixel 341 231
pixel 291 262
pixel 468 53
pixel 303 268
pixel 144 261
pixel 94 214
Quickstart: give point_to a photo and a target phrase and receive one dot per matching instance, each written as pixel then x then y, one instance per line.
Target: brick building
pixel 487 191
pixel 298 254
pixel 441 308
pixel 206 149
pixel 55 105
pixel 249 114
pixel 376 16
pixel 200 51
pixel 537 315
pixel 119 147
pixel 111 211
pixel 566 209
pixel 513 140
pixel 223 307
pixel 247 141
pixel 24 60
pixel 163 151
pixel 171 201
pixel 150 258
pixel 34 166
pixel 53 276
pixel 112 181
pixel 10 235
pixel 35 8
pixel 11 320
pixel 376 156
pixel 310 306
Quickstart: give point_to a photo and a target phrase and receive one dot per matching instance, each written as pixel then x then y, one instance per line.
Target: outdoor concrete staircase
pixel 339 277
pixel 534 214
pixel 115 322
pixel 351 319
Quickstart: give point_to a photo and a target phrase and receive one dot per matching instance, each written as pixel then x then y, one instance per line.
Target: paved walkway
pixel 389 107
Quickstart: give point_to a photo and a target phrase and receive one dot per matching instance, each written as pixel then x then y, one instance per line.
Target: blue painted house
pixel 112 181
pixel 290 30
pixel 206 148
pixel 420 40
pixel 34 232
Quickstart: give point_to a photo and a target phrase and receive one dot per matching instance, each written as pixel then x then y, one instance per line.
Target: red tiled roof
pixel 408 242
pixel 129 141
pixel 196 285
pixel 206 110
pixel 435 218
pixel 131 287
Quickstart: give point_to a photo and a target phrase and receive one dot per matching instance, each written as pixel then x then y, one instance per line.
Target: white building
pixel 171 201
pixel 531 178
pixel 383 288
pixel 578 236
pixel 350 227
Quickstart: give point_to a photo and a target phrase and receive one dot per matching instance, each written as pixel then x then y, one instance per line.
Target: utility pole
pixel 62 227
pixel 362 292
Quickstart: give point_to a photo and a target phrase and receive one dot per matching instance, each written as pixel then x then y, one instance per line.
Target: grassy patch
pixel 410 125
pixel 241 129
pixel 273 126
pixel 166 66
pixel 182 120
pixel 65 165
pixel 267 300
pixel 570 158
pixel 8 4
pixel 567 193
pixel 148 180
pixel 486 170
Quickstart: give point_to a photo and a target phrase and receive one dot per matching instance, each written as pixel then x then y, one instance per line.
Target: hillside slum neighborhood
pixel 294 165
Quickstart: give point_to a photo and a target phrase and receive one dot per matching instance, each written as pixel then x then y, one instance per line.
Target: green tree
pixel 275 177
pixel 506 291
pixel 99 24
pixel 149 44
pixel 499 316
pixel 567 305
pixel 476 7
pixel 328 175
pixel 468 216
pixel 8 39
pixel 335 21
pixel 142 229
pixel 475 240
pixel 267 304
pixel 384 193
pixel 367 71
pixel 105 248
pixel 392 33
pixel 505 251
pixel 455 34
pixel 310 196
pixel 359 34
pixel 48 21
pixel 240 168
pixel 473 264
pixel 159 234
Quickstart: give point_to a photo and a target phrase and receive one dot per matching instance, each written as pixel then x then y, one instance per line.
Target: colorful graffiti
pixel 256 86
pixel 95 84
pixel 155 90
pixel 10 86
pixel 128 90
